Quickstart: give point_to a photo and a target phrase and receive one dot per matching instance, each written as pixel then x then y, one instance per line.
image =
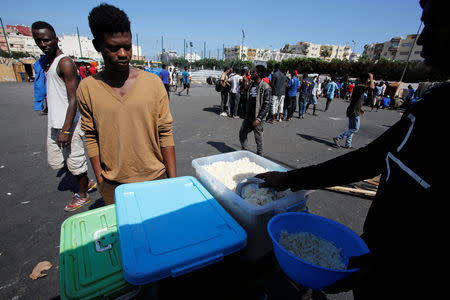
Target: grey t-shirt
pixel 278 83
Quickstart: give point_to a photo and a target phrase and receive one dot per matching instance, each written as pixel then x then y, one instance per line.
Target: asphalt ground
pixel 32 195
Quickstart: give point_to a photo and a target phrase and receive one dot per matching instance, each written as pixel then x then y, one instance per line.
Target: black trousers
pixel 223 101
pixel 246 128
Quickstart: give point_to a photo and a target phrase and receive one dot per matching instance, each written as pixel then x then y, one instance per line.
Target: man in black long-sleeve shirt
pixel 404 233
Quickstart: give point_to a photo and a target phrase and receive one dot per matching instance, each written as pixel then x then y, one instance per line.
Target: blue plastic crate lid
pixel 171 227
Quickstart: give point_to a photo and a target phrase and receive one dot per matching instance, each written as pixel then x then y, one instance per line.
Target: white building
pixel 83 47
pixel 192 57
pixel 168 56
pixel 70 45
pixel 354 56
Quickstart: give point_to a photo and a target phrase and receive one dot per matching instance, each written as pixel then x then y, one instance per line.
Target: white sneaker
pixel 224 114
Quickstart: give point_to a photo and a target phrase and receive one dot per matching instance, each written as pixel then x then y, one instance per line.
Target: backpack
pixel 218 86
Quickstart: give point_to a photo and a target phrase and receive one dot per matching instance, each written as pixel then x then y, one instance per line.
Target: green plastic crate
pixel 89 257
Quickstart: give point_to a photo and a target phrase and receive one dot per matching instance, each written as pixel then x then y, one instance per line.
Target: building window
pixel 406 45
pixel 404 53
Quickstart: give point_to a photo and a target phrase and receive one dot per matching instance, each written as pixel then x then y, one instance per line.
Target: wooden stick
pixel 352 191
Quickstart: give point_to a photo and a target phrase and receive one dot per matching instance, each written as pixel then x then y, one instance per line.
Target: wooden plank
pixel 356 191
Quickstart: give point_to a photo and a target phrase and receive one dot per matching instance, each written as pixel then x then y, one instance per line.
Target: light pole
pixel 6 38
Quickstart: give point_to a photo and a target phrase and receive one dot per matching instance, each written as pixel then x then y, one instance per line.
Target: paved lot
pixel 32 196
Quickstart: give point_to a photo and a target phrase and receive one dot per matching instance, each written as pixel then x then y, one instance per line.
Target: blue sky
pixel 267 24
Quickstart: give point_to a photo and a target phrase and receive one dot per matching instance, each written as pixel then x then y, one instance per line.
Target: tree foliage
pixel 212 63
pixel 14 54
pixel 382 69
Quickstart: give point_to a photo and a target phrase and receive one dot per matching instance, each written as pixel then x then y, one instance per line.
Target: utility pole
pixel 223 51
pixel 184 48
pixel 162 46
pixel 410 51
pixel 242 45
pixel 204 49
pixel 79 43
pixel 137 46
pixel 6 38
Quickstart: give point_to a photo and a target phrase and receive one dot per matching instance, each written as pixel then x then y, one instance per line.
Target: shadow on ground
pixel 221 146
pixel 214 109
pixel 317 140
pixel 68 181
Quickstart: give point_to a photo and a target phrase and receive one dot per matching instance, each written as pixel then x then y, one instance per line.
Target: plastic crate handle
pixel 98 246
pixel 196 265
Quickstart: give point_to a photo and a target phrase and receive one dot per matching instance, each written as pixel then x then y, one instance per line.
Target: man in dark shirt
pixel 305 92
pixel 278 85
pixel 354 110
pixel 406 242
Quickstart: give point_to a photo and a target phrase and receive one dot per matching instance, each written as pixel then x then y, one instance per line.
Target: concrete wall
pixel 7 73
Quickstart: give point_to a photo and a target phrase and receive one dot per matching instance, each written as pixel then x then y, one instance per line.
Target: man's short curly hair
pixel 106 18
pixel 43 25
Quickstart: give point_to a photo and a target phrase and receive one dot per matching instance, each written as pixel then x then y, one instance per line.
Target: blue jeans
pixel 234 104
pixel 353 127
pixel 302 105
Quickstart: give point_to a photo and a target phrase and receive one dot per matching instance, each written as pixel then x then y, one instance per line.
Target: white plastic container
pixel 252 218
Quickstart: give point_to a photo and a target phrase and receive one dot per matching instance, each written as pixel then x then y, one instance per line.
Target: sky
pixel 267 24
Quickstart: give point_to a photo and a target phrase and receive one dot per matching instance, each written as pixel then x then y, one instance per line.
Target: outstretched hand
pixel 276 180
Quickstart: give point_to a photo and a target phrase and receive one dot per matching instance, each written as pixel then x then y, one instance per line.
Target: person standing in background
pixel 305 92
pixel 278 85
pixel 354 110
pixel 186 81
pixel 257 108
pixel 243 88
pixel 93 68
pixel 330 90
pixel 292 95
pixel 165 78
pixel 313 96
pixel 235 81
pixel 225 87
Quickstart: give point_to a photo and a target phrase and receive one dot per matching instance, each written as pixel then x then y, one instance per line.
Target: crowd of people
pixel 278 95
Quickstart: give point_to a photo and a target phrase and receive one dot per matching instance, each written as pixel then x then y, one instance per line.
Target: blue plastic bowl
pixel 305 273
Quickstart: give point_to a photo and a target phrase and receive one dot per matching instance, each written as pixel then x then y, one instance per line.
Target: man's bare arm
pixel 68 73
pixel 170 161
pixel 96 166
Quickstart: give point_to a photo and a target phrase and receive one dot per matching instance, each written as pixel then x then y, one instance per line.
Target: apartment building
pixel 396 48
pixel 19 39
pixel 317 50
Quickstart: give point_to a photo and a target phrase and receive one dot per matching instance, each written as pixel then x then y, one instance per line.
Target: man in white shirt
pixel 65 145
pixel 234 80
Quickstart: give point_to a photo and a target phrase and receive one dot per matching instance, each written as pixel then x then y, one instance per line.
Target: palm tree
pixel 325 53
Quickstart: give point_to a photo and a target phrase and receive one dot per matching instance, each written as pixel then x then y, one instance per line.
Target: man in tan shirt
pixel 125 111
